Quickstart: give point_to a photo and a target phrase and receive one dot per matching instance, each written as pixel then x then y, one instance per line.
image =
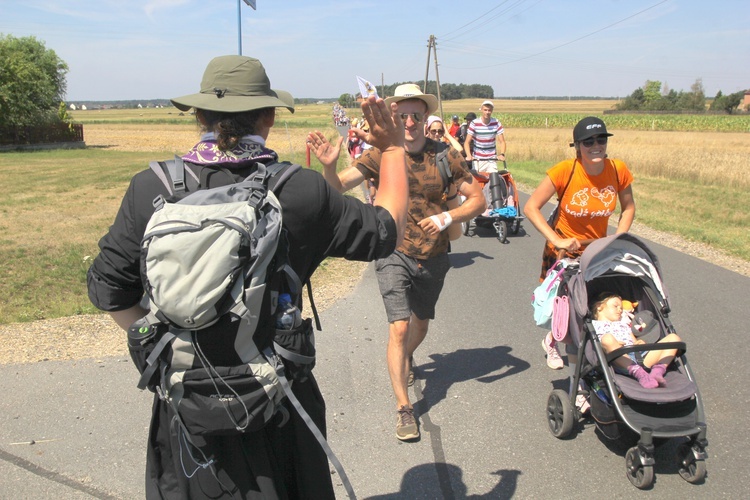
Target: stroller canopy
pixel 620 254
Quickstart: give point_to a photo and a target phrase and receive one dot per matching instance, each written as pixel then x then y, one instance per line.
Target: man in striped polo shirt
pixel 489 142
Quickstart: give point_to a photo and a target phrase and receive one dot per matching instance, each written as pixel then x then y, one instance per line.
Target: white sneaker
pixel 554 360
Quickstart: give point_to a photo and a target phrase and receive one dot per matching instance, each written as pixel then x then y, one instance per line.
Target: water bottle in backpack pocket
pixel 294 339
pixel 142 338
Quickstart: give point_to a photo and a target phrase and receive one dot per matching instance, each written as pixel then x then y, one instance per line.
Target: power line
pixel 566 43
pixel 475 20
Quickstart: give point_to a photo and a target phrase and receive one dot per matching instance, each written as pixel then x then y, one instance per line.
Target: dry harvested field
pixel 705 156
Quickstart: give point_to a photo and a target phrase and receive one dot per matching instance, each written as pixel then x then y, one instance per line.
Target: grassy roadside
pixel 54 207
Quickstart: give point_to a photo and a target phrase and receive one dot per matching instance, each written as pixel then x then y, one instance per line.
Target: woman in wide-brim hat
pixel 236 109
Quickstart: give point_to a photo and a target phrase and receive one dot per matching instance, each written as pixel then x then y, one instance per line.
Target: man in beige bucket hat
pixel 411 278
pixel 235 109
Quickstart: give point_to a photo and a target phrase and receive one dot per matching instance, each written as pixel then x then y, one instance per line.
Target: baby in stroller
pixel 614 330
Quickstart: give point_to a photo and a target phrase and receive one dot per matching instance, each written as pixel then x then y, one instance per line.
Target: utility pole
pixel 437 75
pixel 427 70
pixel 432 48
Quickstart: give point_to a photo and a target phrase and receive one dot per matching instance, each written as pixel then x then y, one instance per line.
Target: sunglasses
pixel 437 131
pixel 417 117
pixel 601 140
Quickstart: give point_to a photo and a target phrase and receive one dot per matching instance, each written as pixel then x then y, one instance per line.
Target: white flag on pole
pixel 366 88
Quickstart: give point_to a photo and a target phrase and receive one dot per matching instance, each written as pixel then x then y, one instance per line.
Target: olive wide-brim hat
pixel 233 84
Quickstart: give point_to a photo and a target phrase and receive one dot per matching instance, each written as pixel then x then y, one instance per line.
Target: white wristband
pixel 436 220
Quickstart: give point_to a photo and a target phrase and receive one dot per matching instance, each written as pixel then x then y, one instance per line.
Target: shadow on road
pixel 459 260
pixel 441 480
pixel 465 364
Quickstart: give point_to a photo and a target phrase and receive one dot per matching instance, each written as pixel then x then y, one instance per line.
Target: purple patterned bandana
pixel 207 152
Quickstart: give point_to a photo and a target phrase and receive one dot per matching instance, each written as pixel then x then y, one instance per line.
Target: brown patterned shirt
pixel 425 194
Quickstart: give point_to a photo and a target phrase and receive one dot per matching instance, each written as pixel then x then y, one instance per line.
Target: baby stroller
pixel 503 211
pixel 620 407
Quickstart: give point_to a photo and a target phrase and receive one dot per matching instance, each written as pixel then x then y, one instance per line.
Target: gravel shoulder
pixel 94 336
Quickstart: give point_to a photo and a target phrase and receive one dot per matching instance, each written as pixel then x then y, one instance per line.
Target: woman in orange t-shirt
pixel 588 188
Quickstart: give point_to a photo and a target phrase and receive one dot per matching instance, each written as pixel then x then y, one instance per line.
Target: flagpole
pixel 250 3
pixel 239 28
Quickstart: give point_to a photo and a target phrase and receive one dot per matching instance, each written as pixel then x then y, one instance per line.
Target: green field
pixel 514 114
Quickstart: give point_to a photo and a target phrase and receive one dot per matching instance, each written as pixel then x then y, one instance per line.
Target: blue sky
pixel 146 49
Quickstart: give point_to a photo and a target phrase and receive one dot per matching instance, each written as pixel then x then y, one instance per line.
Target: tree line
pixel 654 96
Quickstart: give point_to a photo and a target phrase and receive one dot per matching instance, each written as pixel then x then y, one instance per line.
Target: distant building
pixel 73 107
pixel 83 107
pixel 745 104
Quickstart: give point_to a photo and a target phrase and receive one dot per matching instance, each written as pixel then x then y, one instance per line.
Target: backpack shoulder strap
pixel 277 174
pixel 180 178
pixel 617 174
pixel 572 171
pixel 444 167
pixel 171 173
pixel 280 172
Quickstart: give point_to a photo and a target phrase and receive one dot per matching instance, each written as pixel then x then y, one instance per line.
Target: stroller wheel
pixel 691 469
pixel 560 416
pixel 642 476
pixel 515 226
pixel 502 230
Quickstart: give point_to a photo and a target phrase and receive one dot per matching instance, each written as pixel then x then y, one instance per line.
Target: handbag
pixel 542 299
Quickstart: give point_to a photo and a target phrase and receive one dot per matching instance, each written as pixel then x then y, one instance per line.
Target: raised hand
pixel 386 126
pixel 324 151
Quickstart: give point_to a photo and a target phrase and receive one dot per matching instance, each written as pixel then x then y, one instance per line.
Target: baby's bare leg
pixel 610 343
pixel 665 356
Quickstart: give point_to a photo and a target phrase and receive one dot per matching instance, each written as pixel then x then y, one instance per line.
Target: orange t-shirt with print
pixel 589 200
pixel 587 203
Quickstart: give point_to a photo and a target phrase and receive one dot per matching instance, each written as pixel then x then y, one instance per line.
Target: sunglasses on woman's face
pixel 417 117
pixel 601 140
pixel 438 131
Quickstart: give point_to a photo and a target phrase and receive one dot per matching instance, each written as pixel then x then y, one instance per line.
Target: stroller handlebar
pixel 561 252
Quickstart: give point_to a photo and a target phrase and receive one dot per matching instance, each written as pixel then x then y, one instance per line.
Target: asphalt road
pixel 77 429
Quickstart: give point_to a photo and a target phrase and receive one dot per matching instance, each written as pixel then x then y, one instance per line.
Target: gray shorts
pixel 409 285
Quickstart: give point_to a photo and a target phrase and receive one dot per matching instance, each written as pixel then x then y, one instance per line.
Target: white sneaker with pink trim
pixel 554 360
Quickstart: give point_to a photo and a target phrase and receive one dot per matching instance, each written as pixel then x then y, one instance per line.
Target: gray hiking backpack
pixel 214 265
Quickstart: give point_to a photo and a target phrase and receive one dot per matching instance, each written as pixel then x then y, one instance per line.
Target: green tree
pixel 695 100
pixel 450 91
pixel 32 82
pixel 733 101
pixel 726 103
pixel 632 102
pixel 347 100
pixel 651 94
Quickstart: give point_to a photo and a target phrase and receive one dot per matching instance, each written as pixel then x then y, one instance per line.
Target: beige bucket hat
pixel 411 91
pixel 233 84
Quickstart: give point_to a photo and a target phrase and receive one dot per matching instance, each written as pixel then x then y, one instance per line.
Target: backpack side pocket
pixel 296 348
pixel 142 338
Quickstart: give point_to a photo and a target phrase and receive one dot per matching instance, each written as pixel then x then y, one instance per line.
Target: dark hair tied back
pixel 231 127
